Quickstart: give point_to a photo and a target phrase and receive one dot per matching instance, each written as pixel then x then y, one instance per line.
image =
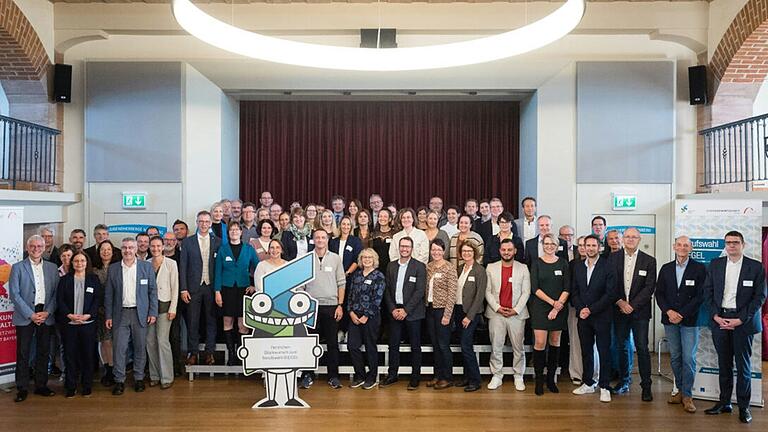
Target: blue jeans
pixel 471 368
pixel 440 336
pixel 683 342
pixel 615 360
pixel 628 329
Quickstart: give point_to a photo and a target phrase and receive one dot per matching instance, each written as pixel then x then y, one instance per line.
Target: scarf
pixel 300 234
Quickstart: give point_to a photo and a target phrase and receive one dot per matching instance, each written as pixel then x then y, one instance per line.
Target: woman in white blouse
pixel 420 240
pixel 274 261
pixel 158 342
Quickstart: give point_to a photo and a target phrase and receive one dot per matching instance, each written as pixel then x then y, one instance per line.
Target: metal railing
pixel 27 152
pixel 736 152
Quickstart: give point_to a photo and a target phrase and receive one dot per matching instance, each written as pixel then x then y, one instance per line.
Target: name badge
pixel 89 290
pixel 748 283
pixel 412 279
pixel 689 282
pixel 368 282
pixel 558 272
pixel 509 280
pixel 144 281
pixel 260 250
pixel 349 248
pixel 389 240
pixel 328 269
pixel 642 272
pixel 215 254
pixel 438 275
pixel 560 248
pixel 228 258
pixel 470 278
pixel 311 242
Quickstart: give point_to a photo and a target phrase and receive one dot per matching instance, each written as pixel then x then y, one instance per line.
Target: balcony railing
pixel 736 152
pixel 27 152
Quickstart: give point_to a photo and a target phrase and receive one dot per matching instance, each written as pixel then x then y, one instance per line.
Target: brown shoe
pixel 209 360
pixel 191 359
pixel 431 383
pixel 443 384
pixel 676 399
pixel 688 405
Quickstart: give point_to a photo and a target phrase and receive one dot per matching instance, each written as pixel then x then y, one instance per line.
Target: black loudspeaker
pixel 384 37
pixel 62 83
pixel 697 85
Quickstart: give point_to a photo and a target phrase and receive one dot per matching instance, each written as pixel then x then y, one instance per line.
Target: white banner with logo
pixel 11 251
pixel 706 222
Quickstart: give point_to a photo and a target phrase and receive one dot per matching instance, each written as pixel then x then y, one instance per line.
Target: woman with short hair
pixel 297 239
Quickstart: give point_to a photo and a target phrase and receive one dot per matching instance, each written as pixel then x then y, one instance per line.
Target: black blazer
pixel 599 295
pixel 65 297
pixel 485 229
pixel 684 299
pixel 290 251
pixel 414 293
pixel 191 263
pixel 532 250
pixel 643 283
pixel 749 299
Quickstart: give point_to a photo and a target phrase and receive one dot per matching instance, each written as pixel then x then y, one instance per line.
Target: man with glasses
pixel 534 247
pixel 636 274
pixel 436 205
pixel 566 234
pixel 376 203
pixel 266 199
pixel 51 252
pixel 248 225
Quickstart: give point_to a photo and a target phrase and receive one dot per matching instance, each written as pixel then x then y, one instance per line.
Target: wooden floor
pixel 224 404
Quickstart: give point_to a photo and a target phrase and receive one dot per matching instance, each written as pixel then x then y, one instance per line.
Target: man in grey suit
pixel 527 226
pixel 196 278
pixel 130 304
pixel 32 289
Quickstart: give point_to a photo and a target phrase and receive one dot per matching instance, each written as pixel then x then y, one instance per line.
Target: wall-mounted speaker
pixel 697 85
pixel 62 83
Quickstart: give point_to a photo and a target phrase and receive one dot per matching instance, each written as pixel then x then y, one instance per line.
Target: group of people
pixel 394 271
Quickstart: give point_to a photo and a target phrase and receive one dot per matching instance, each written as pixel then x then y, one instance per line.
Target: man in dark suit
pixel 197 265
pixel 51 252
pixel 404 298
pixel 490 227
pixel 734 291
pixel 534 245
pixel 593 293
pixel 100 233
pixel 679 292
pixel 636 277
pixel 130 307
pixel 32 290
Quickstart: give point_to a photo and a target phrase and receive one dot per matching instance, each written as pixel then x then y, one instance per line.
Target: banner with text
pixel 706 222
pixel 11 251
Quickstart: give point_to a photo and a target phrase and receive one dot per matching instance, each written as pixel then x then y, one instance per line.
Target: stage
pixel 224 403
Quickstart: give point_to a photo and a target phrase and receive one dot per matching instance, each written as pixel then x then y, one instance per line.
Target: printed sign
pixel 11 252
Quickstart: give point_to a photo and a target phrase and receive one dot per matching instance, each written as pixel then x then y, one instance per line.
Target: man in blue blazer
pixel 593 293
pixel 32 289
pixel 734 292
pixel 130 305
pixel 679 292
pixel 197 273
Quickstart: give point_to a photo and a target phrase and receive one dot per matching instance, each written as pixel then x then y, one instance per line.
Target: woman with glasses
pixel 505 232
pixel 464 234
pixel 550 286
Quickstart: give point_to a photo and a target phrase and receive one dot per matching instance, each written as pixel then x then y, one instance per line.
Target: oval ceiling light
pixel 524 39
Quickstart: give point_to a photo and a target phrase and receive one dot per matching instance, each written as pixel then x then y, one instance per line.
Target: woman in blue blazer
pixel 347 246
pixel 77 305
pixel 235 264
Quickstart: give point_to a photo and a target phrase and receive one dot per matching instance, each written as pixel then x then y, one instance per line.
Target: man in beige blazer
pixel 507 292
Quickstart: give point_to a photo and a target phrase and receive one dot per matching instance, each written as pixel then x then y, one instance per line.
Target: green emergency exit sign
pixel 134 200
pixel 624 202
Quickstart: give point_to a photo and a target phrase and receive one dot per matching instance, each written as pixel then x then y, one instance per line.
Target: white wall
pixel 39 13
pixel 4 107
pixel 230 147
pixel 529 110
pixel 761 100
pixel 202 143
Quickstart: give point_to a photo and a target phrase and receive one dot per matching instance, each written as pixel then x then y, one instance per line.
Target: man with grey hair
pixel 566 233
pixel 534 248
pixel 32 290
pixel 51 252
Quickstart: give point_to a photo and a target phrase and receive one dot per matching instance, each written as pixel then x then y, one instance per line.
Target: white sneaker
pixel 584 389
pixel 519 384
pixel 495 383
pixel 605 395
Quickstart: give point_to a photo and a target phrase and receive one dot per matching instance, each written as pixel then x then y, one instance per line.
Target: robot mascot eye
pixel 261 304
pixel 299 304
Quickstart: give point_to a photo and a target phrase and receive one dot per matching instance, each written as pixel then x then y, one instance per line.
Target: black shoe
pixel 719 408
pixel 620 389
pixel 461 383
pixel 118 389
pixel 108 379
pixel 21 396
pixel 744 415
pixel 70 393
pixel 539 389
pixel 413 384
pixel 55 371
pixel 86 392
pixel 334 383
pixel 647 395
pixel 389 381
pixel 356 382
pixel 471 387
pixel 44 391
pixel 139 386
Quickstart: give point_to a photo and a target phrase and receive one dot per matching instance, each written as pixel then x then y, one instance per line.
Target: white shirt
pixel 541 246
pixel 129 284
pixel 590 269
pixel 629 270
pixel 732 272
pixel 529 229
pixel 450 229
pixel 301 247
pixel 570 253
pixel 342 245
pixel 39 275
pixel 400 282
pixel 462 280
pixel 495 227
pixel 205 253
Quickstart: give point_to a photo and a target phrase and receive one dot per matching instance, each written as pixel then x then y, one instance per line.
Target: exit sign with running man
pixel 134 200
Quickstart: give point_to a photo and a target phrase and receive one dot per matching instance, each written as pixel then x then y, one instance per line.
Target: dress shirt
pixel 462 280
pixel 570 252
pixel 679 271
pixel 342 245
pixel 129 284
pixel 400 281
pixel 37 272
pixel 529 229
pixel 495 227
pixel 540 244
pixel 450 229
pixel 732 272
pixel 589 269
pixel 301 247
pixel 205 253
pixel 629 270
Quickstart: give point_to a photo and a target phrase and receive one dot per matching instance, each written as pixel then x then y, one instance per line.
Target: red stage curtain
pixel 307 151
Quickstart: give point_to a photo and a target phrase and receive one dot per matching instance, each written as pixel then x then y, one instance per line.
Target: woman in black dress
pixel 550 285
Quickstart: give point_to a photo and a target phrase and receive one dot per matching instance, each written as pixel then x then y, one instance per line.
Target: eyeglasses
pixel 733 243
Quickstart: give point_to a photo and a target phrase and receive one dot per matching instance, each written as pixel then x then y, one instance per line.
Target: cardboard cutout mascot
pixel 280 345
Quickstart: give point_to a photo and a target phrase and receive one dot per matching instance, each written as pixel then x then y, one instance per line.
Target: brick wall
pixel 22 55
pixel 742 55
